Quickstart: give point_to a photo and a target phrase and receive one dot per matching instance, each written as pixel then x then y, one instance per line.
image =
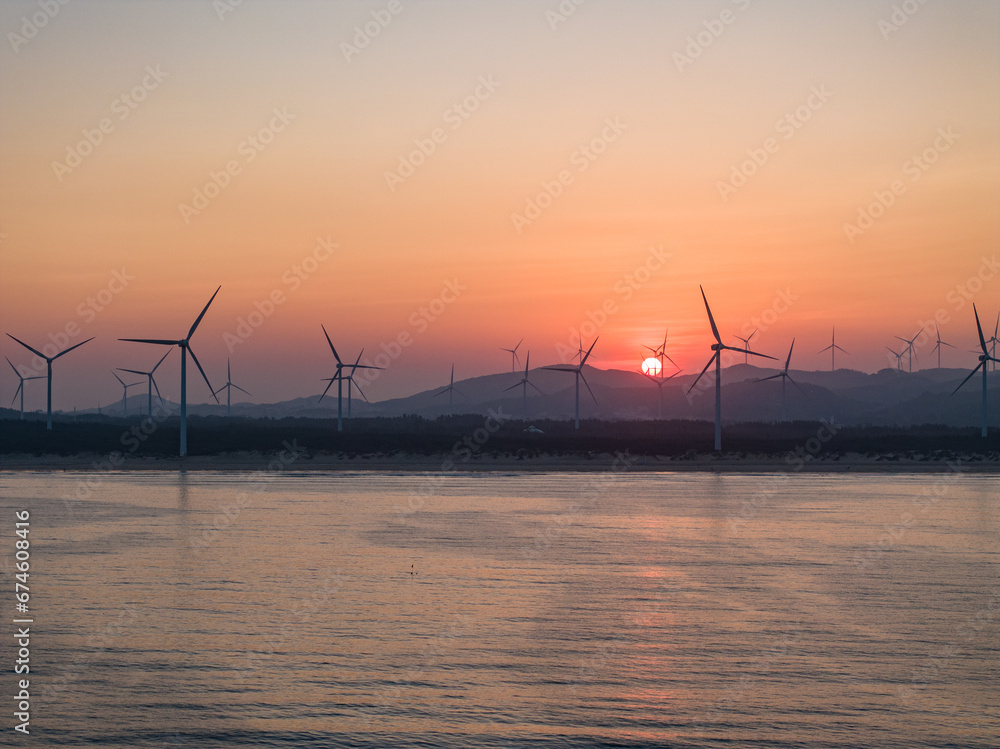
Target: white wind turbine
pixel 718 347
pixel 783 374
pixel 524 382
pixel 746 342
pixel 150 384
pixel 984 359
pixel 125 392
pixel 578 371
pixel 185 346
pixel 20 386
pixel 514 360
pixel 660 352
pixel 910 348
pixel 899 358
pixel 48 362
pixel 450 389
pixel 228 387
pixel 939 344
pixel 833 348
pixel 339 379
pixel 659 380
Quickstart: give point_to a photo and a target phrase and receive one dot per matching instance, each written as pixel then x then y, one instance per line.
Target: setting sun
pixel 652 367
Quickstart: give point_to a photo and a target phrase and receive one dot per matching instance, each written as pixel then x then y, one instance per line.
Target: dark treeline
pixel 460 435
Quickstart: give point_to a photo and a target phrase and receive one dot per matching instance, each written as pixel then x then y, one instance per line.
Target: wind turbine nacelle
pixel 718 346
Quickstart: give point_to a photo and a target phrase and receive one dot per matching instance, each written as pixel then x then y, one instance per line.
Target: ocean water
pixel 610 609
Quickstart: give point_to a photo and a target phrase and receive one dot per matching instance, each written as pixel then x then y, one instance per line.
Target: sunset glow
pixel 432 181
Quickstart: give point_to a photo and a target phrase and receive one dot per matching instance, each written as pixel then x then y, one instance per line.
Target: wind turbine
pixel 939 344
pixel 909 347
pixel 228 387
pixel 514 360
pixel 339 379
pixel 718 347
pixel 660 380
pixel 994 340
pixel 783 374
pixel 578 371
pixel 660 352
pixel 20 386
pixel 833 348
pixel 151 383
pixel 524 385
pixel 984 359
pixel 48 362
pixel 746 357
pixel 125 392
pixel 899 358
pixel 185 345
pixel 451 389
pixel 352 383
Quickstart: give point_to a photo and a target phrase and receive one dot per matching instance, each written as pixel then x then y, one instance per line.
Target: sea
pixel 609 608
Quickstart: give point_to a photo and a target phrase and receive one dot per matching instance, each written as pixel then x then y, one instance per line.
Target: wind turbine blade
pixel 825 349
pixel 558 368
pixel 229 371
pixel 159 362
pixel 244 391
pixel 198 364
pixel 969 377
pixel 526 360
pixel 357 361
pixel 846 352
pixel 583 361
pixel 460 392
pixel 335 355
pixel 979 328
pixel 675 374
pixel 328 386
pixel 789 359
pixel 710 362
pixel 795 384
pixel 772 377
pixel 157 389
pixel 588 388
pixel 158 341
pixel 119 379
pixel 715 330
pixel 16 392
pixel 39 353
pixel 754 353
pixel 221 389
pixel 943 343
pixel 13 367
pixel 441 392
pixel 196 322
pixel 535 387
pixel 361 391
pixel 133 371
pixel 362 366
pixel 518 344
pixel 515 385
pixel 671 361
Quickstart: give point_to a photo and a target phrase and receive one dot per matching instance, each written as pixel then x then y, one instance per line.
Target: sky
pixel 433 181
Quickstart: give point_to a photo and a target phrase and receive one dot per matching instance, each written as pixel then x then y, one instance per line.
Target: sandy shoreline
pixel 728 463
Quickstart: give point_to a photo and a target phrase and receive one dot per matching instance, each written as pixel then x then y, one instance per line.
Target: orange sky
pixel 636 142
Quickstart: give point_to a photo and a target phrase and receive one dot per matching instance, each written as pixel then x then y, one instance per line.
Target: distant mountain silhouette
pixel 886 398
